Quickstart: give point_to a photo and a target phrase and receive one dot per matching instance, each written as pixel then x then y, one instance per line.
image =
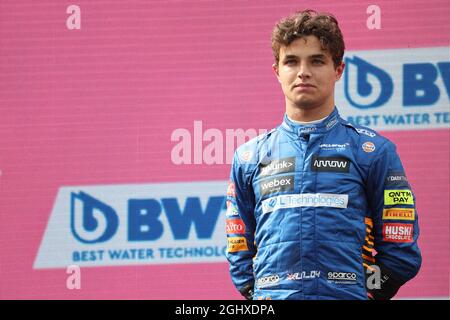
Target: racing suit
pixel 313 211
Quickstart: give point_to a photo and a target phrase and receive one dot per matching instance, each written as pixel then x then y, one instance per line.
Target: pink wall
pixel 97 106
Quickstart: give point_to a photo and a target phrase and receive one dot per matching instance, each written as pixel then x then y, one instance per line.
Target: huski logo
pixel 398 232
pixel 373 86
pixel 135 224
pixel 330 164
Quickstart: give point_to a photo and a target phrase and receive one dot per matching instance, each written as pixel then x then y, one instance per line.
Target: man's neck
pixel 307 115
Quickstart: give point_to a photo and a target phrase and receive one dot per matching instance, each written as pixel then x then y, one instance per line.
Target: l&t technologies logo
pixel 136 224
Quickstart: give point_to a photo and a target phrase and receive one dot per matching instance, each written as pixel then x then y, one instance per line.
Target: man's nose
pixel 304 71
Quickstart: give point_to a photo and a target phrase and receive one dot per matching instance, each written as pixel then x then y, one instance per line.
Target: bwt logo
pixel 374 86
pixel 93 221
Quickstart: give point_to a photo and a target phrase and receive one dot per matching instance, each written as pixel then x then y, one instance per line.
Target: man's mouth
pixel 303 85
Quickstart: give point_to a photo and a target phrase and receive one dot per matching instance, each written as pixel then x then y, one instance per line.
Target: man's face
pixel 307 74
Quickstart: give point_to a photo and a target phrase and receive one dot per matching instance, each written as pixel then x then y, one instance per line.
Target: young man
pixel 318 206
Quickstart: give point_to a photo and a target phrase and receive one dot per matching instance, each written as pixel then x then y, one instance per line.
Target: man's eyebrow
pixel 290 56
pixel 314 56
pixel 319 55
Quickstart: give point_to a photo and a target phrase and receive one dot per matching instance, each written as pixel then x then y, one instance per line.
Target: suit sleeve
pixel 395 221
pixel 240 228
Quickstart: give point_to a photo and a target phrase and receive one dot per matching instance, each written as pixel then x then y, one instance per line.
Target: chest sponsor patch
pixel 393 197
pixel 330 164
pixel 304 200
pixel 398 214
pixel 398 232
pixel 277 184
pixel 277 166
pixel 334 146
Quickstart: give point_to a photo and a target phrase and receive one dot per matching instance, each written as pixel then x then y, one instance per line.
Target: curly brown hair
pixel 309 22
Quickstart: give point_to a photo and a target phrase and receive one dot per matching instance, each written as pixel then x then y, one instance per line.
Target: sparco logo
pixel 342 276
pixel 268 281
pixel 330 164
pixel 278 166
pixel 277 185
pixel 366 132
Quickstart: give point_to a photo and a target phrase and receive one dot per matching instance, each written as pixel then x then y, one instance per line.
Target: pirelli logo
pixel 236 244
pixel 399 214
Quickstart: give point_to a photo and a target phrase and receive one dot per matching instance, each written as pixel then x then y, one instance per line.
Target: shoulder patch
pixel 249 151
pixel 246 155
pixel 368 147
pixel 360 130
pixel 366 132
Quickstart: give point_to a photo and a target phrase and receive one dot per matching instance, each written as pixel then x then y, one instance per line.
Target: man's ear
pixel 340 71
pixel 275 70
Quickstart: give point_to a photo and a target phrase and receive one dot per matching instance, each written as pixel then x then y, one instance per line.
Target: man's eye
pixel 289 61
pixel 317 61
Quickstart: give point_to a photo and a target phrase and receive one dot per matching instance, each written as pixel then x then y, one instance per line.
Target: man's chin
pixel 306 104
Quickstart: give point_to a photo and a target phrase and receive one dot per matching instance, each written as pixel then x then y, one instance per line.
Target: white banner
pixel 136 224
pixel 396 89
